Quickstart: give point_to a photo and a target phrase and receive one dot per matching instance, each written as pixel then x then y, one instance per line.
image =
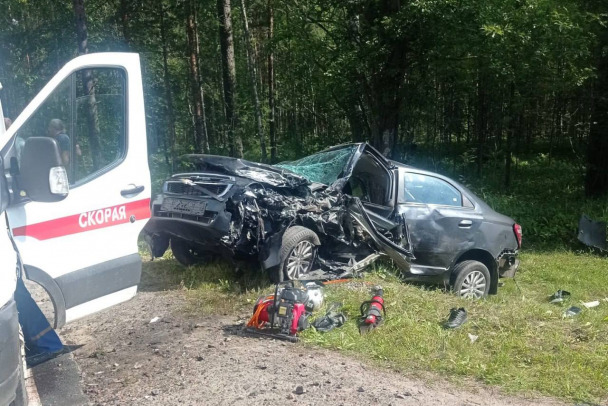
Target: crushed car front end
pixel 243 210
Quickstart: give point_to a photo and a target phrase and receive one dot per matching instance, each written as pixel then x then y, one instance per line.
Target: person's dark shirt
pixel 64 142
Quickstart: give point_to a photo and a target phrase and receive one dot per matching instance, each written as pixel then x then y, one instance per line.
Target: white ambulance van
pixel 74 196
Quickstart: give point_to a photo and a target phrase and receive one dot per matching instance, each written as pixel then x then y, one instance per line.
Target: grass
pixel 524 343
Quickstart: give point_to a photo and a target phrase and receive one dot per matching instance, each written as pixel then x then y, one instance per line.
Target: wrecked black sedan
pixel 333 212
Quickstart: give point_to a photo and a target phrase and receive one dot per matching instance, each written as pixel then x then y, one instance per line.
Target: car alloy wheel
pixel 471 279
pixel 473 286
pixel 300 259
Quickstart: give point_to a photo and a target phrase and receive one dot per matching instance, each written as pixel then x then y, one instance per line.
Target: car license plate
pixel 184 206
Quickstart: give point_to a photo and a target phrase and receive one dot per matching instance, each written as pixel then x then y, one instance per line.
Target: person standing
pixel 56 130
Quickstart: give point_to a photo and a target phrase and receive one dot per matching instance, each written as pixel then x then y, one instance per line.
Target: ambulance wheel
pixel 21 392
pixel 298 252
pixel 186 253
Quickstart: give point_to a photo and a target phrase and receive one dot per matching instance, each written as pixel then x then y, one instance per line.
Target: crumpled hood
pixel 258 172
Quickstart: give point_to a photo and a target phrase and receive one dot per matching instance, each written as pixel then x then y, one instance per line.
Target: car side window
pixel 430 190
pixel 86 116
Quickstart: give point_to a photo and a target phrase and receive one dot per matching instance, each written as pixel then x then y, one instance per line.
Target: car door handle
pixel 465 224
pixel 133 190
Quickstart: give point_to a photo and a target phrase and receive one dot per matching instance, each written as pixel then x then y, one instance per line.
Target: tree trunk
pixel 88 84
pixel 510 135
pixel 596 180
pixel 124 21
pixel 170 114
pixel 206 135
pixel 271 108
pixel 229 77
pixel 200 137
pixel 251 64
pixel 480 121
pixel 387 77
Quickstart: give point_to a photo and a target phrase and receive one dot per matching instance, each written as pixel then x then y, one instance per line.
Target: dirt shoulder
pixel 192 360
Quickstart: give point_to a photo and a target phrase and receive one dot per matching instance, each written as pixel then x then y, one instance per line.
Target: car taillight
pixel 517 231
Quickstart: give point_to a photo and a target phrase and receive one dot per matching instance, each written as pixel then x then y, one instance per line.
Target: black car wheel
pixel 298 252
pixel 186 253
pixel 21 393
pixel 472 280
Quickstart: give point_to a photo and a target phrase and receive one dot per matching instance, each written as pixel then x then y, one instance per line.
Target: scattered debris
pixel 559 296
pixel 372 311
pixel 300 390
pixel 154 320
pixel 592 233
pixel 589 305
pixel 473 338
pixel 458 316
pixel 572 311
pixel 332 319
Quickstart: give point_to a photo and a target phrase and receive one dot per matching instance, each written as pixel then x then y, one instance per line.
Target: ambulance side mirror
pixel 42 176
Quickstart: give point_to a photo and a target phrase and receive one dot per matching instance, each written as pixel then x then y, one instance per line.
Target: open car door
pixel 83 249
pixel 401 255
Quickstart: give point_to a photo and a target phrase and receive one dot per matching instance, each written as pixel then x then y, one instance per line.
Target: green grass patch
pixel 523 344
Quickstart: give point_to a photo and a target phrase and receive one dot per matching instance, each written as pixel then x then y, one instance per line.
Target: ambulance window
pixel 100 119
pixel 86 114
pixel 58 107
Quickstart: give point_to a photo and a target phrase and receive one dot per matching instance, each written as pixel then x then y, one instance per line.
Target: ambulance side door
pixel 83 249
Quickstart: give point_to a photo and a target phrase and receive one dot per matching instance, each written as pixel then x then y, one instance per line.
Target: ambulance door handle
pixel 133 190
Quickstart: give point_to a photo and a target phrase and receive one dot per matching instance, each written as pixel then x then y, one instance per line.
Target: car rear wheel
pixel 298 252
pixel 186 253
pixel 472 280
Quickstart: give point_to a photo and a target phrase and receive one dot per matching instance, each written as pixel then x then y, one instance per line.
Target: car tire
pixel 186 253
pixel 471 280
pixel 298 252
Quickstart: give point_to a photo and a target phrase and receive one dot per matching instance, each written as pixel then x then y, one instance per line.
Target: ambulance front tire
pixel 20 393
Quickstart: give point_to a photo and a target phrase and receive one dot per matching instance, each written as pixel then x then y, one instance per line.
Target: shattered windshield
pixel 324 167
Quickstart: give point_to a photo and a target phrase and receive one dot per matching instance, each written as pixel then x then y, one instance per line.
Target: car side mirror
pixel 42 176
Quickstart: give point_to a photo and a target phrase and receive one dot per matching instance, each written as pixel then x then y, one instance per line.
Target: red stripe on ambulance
pixel 86 221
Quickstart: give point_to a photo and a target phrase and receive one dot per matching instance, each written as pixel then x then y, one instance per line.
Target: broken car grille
pixel 206 218
pixel 188 190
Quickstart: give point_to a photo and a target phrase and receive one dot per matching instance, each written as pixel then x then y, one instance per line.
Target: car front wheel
pixel 471 280
pixel 186 253
pixel 298 252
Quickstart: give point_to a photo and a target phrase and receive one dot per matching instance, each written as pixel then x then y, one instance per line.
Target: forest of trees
pixel 468 83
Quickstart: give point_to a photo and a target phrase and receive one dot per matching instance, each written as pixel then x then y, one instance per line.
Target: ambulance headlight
pixel 58 181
